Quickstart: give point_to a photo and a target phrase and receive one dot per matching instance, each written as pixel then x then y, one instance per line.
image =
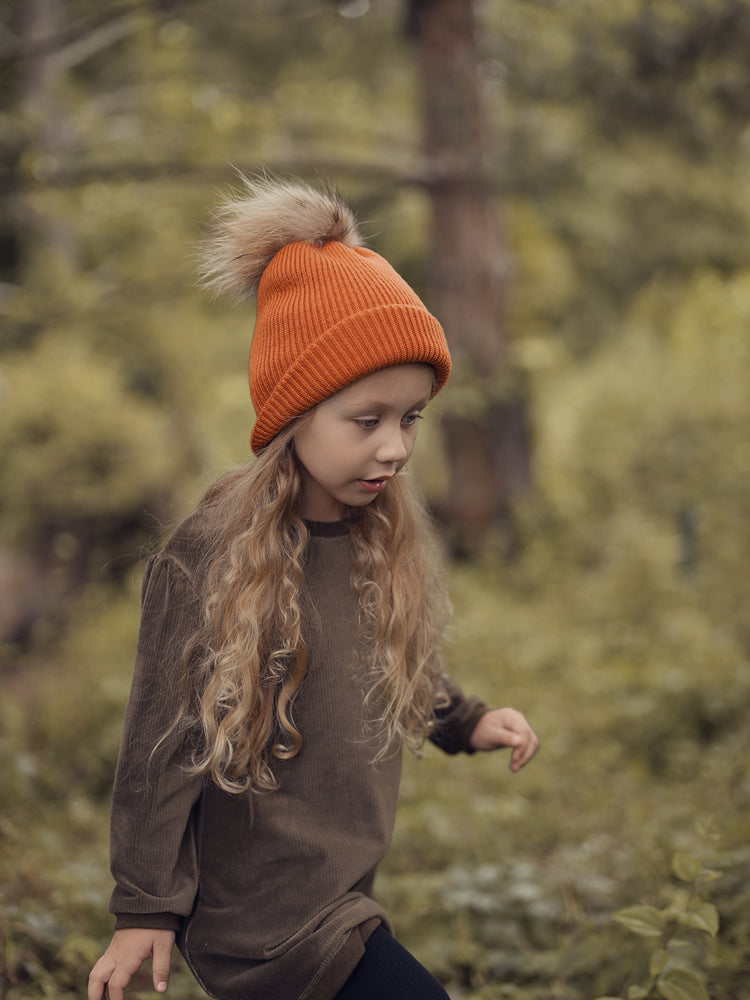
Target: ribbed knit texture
pixel 327 316
pixel 389 972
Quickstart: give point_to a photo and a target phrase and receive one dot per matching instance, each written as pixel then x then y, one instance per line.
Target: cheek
pixel 312 440
pixel 411 440
pixel 323 451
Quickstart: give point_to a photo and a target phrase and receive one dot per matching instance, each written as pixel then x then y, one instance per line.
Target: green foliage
pixel 622 628
pixel 670 927
pixel 622 625
pixel 69 421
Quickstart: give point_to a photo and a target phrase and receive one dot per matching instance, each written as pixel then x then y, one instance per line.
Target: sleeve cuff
pixel 152 921
pixel 455 723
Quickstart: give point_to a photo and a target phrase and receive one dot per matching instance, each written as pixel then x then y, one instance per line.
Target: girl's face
pixel 358 439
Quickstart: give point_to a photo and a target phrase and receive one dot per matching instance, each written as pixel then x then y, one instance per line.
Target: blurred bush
pixel 620 623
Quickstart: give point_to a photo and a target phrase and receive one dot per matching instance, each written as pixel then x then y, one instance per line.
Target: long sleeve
pixel 153 852
pixel 455 721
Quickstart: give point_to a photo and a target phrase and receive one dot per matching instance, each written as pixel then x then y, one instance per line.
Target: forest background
pixel 609 597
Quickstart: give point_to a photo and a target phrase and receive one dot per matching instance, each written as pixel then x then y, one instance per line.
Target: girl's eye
pixel 367 422
pixel 411 418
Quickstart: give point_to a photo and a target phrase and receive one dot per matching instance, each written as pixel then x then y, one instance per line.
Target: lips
pixel 374 485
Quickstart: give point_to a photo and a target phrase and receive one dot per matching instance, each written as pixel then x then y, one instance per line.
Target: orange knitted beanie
pixel 329 311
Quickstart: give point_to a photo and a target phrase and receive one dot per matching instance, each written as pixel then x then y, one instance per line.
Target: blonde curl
pixel 246 662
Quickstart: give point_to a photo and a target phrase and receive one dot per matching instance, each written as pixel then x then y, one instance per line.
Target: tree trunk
pixel 39 85
pixel 486 426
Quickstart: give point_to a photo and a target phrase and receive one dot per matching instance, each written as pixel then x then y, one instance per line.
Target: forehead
pixel 399 385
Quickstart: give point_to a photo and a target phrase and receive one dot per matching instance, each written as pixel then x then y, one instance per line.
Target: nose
pixel 394 447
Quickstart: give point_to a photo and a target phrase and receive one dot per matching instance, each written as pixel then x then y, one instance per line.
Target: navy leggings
pixel 387 971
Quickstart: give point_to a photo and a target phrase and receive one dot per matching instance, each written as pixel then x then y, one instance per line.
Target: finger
pixel 119 980
pixel 161 964
pixel 506 737
pixel 98 979
pixel 523 753
pixel 115 991
pixel 96 989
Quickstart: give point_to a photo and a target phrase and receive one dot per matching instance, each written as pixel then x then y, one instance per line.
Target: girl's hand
pixel 127 951
pixel 505 727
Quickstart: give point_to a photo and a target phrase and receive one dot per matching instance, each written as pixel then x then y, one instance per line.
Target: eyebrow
pixel 379 404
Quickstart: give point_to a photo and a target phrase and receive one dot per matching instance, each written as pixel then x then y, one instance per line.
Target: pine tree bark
pixel 486 428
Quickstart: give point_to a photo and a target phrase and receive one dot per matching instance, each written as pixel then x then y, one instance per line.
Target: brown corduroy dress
pixel 270 895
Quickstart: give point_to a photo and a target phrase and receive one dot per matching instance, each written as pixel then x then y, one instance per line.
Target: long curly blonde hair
pixel 246 662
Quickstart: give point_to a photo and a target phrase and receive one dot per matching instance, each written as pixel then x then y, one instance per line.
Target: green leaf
pixel 645 921
pixel 681 984
pixel 680 904
pixel 703 916
pixel 686 867
pixel 658 962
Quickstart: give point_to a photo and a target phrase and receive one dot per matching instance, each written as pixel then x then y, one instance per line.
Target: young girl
pixel 289 642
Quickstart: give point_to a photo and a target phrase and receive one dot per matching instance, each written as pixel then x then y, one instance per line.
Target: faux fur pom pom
pixel 252 226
